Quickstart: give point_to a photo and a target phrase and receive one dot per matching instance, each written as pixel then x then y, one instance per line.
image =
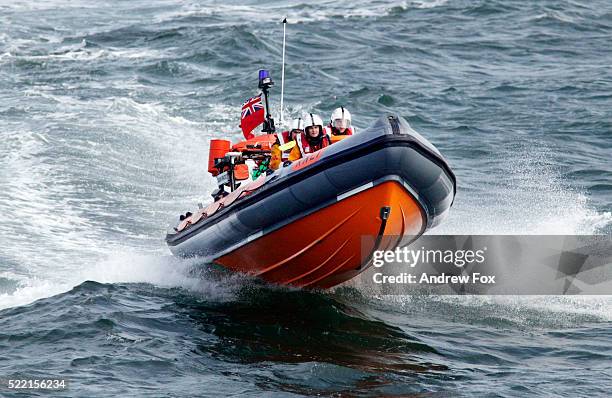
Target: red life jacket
pixel 306 147
pixel 331 130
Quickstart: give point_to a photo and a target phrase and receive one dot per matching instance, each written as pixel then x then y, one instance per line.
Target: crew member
pixel 285 141
pixel 312 139
pixel 340 123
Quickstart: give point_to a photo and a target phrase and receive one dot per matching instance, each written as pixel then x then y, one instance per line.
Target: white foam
pixel 316 13
pixel 427 4
pixel 35 289
pixel 64 245
pixel 528 198
pixel 522 310
pixel 127 266
pixel 160 270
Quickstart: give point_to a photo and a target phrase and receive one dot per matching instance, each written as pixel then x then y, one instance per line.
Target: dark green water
pixel 106 110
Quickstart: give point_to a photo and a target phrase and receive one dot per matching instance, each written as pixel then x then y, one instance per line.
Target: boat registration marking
pixel 307 160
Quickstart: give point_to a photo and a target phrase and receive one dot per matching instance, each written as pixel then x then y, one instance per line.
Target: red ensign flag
pixel 252 116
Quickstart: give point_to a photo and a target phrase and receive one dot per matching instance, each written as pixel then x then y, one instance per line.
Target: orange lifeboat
pixel 315 223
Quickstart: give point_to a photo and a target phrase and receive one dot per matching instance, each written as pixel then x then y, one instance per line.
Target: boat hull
pixel 334 244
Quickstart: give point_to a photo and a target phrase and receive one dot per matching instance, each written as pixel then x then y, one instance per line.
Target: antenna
pixel 283 72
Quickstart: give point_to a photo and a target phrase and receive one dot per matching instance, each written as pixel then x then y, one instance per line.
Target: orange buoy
pixel 218 149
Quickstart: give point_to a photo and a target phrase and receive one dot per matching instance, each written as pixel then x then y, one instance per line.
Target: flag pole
pixel 283 72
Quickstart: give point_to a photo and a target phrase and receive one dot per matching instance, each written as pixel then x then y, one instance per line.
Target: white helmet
pixel 297 124
pixel 341 117
pixel 311 119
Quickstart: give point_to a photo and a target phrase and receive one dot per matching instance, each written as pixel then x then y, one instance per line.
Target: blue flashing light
pixel 265 80
pixel 263 74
